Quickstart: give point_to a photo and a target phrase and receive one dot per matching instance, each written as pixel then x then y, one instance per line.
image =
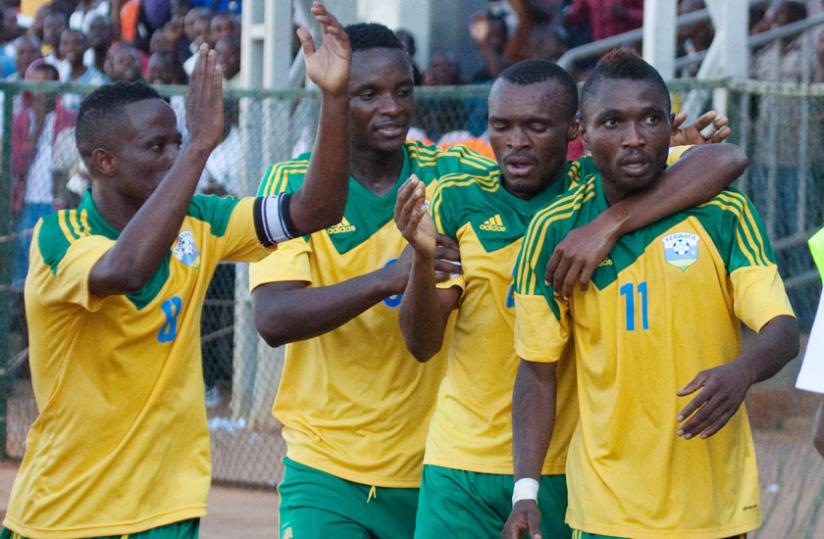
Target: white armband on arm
pixel 525 488
pixel 272 220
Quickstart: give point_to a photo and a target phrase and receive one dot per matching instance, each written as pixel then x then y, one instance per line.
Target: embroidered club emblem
pixel 186 251
pixel 681 249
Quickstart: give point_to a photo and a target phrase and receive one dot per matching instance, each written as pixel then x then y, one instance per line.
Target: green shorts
pixel 185 529
pixel 457 503
pixel 578 534
pixel 315 505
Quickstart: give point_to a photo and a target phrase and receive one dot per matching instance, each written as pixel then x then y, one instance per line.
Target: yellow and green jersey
pixel 471 428
pixel 353 402
pixel 665 304
pixel 120 444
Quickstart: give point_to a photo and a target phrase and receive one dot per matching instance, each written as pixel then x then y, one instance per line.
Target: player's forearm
pixel 533 417
pixel 701 174
pixel 292 315
pixel 421 322
pixel 774 346
pixel 320 201
pixel 145 240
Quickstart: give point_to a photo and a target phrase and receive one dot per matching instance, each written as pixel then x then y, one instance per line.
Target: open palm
pixel 328 66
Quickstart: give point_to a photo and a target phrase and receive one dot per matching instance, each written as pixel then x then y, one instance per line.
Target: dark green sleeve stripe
pixel 214 210
pixel 52 242
pixel 266 181
pixel 751 233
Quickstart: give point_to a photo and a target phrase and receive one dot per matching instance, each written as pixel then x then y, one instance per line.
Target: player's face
pixel 382 99
pixel 529 128
pixel 626 125
pixel 150 143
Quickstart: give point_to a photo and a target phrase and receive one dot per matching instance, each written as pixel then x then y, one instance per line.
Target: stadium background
pixel 777 119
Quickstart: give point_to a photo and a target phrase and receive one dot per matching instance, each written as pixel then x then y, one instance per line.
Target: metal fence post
pixel 5 263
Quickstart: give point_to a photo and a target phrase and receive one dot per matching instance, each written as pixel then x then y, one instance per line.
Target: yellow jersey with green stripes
pixel 120 444
pixel 472 425
pixel 353 402
pixel 665 304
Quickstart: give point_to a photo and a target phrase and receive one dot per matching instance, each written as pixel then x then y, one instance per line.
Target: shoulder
pixel 56 232
pixel 445 160
pixel 729 203
pixel 455 190
pixel 214 210
pixel 284 176
pixel 561 211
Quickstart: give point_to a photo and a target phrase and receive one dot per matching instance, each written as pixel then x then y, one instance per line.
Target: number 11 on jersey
pixel 628 291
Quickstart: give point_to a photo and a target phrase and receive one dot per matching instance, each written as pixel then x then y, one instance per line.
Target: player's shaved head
pixel 534 71
pixel 101 114
pixel 622 64
pixel 370 35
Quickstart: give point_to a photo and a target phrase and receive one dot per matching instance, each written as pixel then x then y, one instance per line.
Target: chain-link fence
pixel 779 125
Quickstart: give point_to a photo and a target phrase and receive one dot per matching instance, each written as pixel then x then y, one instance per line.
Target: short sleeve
pixel 541 319
pixel 289 263
pixel 758 291
pixel 676 153
pixel 234 225
pixel 60 264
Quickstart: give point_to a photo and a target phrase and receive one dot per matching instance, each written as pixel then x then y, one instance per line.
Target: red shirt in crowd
pixel 607 17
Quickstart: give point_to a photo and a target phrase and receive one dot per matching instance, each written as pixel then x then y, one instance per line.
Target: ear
pixel 573 129
pixel 582 131
pixel 103 162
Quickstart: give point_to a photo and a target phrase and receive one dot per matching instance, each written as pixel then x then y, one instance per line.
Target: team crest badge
pixel 681 249
pixel 186 251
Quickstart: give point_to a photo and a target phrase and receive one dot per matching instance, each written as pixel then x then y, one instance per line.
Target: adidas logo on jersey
pixel 342 227
pixel 494 224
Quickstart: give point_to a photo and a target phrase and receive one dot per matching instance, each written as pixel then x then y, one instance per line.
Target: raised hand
pixel 694 133
pixel 412 217
pixel 328 66
pixel 204 101
pixel 447 258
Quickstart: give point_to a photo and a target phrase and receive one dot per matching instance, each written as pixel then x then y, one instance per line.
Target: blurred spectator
pixel 531 14
pixel 781 60
pixel 443 71
pixel 196 29
pixel 490 34
pixel 85 12
pixel 819 49
pixel 28 50
pixel 39 21
pixel 546 43
pixel 693 38
pixel 221 25
pixel 11 29
pixel 606 17
pixel 164 68
pixel 156 13
pixel 408 42
pixel 123 63
pixel 41 131
pixel 72 47
pixel 100 38
pixel 53 26
pixel 160 42
pixel 228 56
pixel 776 159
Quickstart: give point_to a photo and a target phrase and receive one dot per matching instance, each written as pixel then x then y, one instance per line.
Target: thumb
pixel 306 41
pixel 694 385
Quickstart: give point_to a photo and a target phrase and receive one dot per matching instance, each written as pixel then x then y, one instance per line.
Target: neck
pixel 116 211
pixel 529 194
pixel 612 192
pixel 78 70
pixel 377 171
